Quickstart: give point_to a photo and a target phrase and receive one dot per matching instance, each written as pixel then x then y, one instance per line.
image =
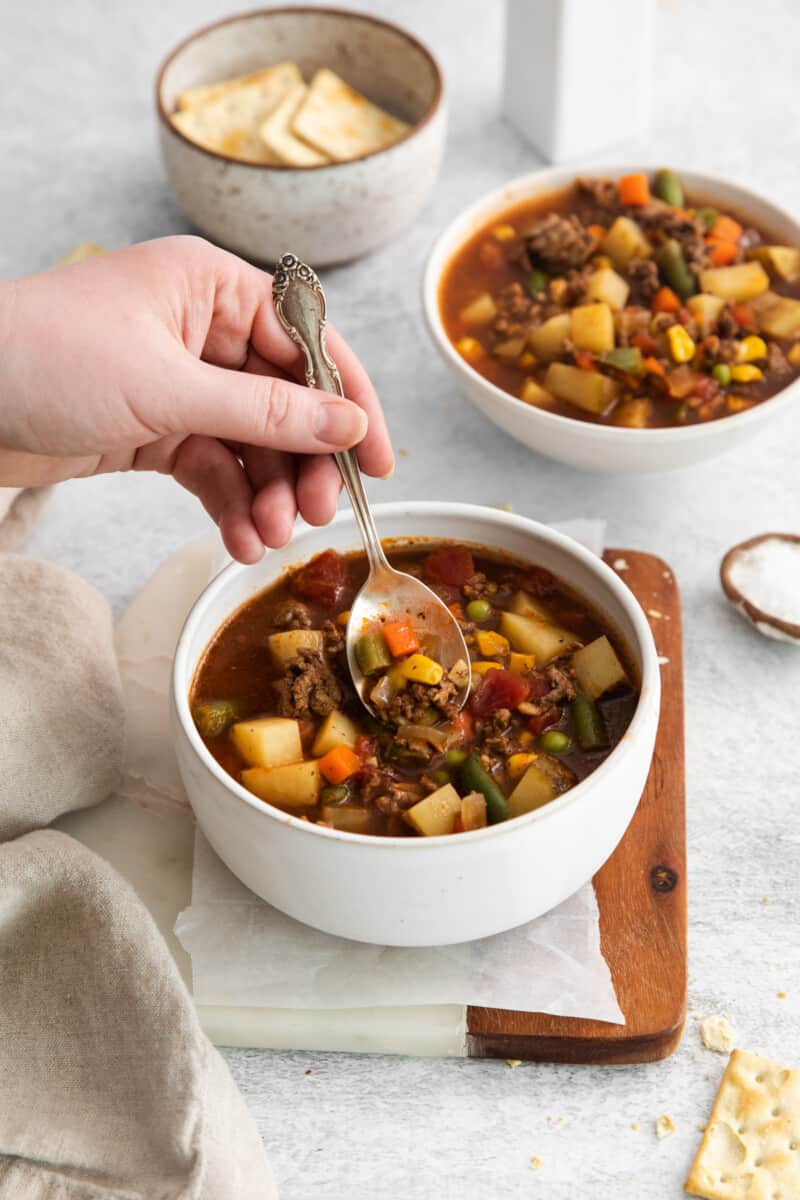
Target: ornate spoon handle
pixel 300 304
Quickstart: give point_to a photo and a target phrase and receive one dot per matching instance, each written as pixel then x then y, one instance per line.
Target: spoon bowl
pixel 300 305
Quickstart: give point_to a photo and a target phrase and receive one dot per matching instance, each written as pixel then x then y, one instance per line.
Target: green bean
pixel 668 187
pixel 537 281
pixel 708 216
pixel 673 267
pixel 479 610
pixel 372 653
pixel 476 779
pixel 722 374
pixel 590 732
pixel 555 742
pixel 626 358
pixel 456 757
pixel 335 795
pixel 213 718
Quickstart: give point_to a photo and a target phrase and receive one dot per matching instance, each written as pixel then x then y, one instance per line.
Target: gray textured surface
pixel 80 161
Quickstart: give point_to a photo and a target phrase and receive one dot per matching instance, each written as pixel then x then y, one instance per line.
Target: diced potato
pixel 479 311
pixel 597 667
pixel 473 812
pixel 350 817
pixel 534 393
pixel 743 281
pixel 540 638
pixel 522 664
pixel 268 741
pixel 593 328
pixel 544 779
pixel 526 605
pixel 510 349
pixel 783 260
pixel 436 814
pixel 781 319
pixel 589 390
pixel 764 301
pixel 607 286
pixel 635 413
pixel 336 730
pixel 705 309
pixel 548 340
pixel 491 643
pixel 295 785
pixel 418 668
pixel 625 241
pixel 286 646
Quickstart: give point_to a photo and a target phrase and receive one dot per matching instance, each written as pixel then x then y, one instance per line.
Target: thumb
pixel 260 410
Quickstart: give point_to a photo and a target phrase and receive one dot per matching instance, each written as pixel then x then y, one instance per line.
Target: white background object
pixel 578 73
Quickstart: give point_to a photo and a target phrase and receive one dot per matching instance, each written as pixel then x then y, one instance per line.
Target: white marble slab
pixel 80 161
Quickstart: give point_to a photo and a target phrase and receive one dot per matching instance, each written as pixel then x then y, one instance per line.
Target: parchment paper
pixel 246 953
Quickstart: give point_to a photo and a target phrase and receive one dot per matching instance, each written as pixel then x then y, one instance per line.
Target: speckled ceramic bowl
pixel 325 214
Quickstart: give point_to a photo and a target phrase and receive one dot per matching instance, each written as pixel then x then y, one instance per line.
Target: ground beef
pixel 663 321
pixel 478 587
pixel 689 232
pixel 559 242
pixel 411 706
pixel 334 638
pixel 292 614
pixel 727 325
pixel 604 192
pixel 570 289
pixel 308 686
pixel 400 795
pixel 561 686
pixel 643 278
pixel 777 361
pixel 495 735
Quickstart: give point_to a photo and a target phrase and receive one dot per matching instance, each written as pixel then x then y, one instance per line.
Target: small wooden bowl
pixel 764 622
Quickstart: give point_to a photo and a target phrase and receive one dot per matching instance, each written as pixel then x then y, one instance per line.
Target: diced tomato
pixel 743 315
pixel 705 387
pixel 643 341
pixel 539 686
pixel 499 689
pixel 322 580
pixel 541 722
pixel 464 725
pixel 584 359
pixel 453 566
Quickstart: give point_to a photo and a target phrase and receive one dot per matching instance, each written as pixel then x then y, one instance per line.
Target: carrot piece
pixel 665 301
pixel 634 189
pixel 654 367
pixel 725 229
pixel 585 360
pixel 458 824
pixel 456 610
pixel 722 253
pixel 339 764
pixel 400 637
pixel 599 231
pixel 743 315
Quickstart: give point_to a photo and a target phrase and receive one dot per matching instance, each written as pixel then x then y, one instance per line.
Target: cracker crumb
pixel 666 575
pixel 536 1162
pixel 634 1125
pixel 559 1120
pixel 513 1063
pixel 765 899
pixel 655 613
pixel 781 995
pixel 662 660
pixel 620 564
pixel 717 1034
pixel 504 507
pixel 403 452
pixel 664 1126
pixel 701 1127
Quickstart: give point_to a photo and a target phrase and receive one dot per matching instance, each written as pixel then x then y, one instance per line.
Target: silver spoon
pixel 387 593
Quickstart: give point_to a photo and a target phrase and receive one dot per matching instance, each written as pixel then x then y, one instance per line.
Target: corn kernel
pixel 526 360
pixel 680 344
pixel 469 348
pixel 504 233
pixel 421 669
pixel 738 404
pixel 517 764
pixel 794 355
pixel 480 668
pixel 526 738
pixel 602 262
pixel 746 373
pixel 343 618
pixel 751 348
pixel 490 643
pixel 521 664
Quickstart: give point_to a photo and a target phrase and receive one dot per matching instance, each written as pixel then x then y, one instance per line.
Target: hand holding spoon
pixel 387 593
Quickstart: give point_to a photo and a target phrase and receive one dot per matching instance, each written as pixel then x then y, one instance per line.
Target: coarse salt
pixel 768 576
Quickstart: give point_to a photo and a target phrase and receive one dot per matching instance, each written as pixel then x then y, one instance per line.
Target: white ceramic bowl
pixel 581 443
pixel 421 891
pixel 324 214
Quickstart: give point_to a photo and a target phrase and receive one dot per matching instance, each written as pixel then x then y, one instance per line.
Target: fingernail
pixel 390 472
pixel 340 423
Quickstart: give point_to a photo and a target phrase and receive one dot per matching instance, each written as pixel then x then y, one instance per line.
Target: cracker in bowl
pixel 341 122
pixel 228 120
pixel 751 1146
pixel 276 132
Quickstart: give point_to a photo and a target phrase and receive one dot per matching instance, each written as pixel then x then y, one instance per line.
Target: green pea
pixel 440 776
pixel 479 610
pixel 213 718
pixel 537 282
pixel 708 216
pixel 722 374
pixel 667 186
pixel 334 795
pixel 456 757
pixel 555 742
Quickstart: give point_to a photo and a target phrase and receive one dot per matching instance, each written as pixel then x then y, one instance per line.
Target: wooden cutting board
pixel 641 890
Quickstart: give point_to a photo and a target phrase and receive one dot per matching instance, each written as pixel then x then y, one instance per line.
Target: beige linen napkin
pixel 108 1088
pixel 19 508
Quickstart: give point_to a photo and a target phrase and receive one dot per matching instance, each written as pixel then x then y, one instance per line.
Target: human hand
pixel 168 356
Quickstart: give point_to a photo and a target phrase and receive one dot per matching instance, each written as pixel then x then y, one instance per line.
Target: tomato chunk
pixel 322 580
pixel 544 719
pixel 452 566
pixel 499 689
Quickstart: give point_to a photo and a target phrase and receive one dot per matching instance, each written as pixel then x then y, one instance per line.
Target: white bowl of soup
pixel 620 336
pixel 389 875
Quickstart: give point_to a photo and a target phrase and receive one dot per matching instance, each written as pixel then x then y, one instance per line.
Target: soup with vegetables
pixel 627 303
pixel 552 694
